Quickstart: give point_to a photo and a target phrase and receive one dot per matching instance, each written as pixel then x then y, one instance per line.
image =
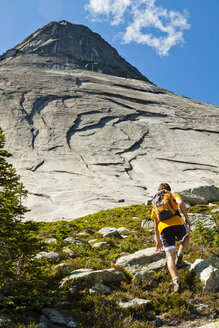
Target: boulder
pixel 206 220
pixel 100 244
pixel 109 232
pixel 147 224
pixel 123 229
pixel 136 302
pixel 51 240
pixel 54 316
pixel 91 241
pixel 44 322
pixel 86 277
pixel 99 288
pixel 208 271
pixel 200 195
pixel 82 234
pixel 210 278
pixel 77 242
pixel 215 211
pixel 69 252
pixel 69 240
pixel 63 266
pixel 142 261
pixel 5 320
pixel 47 255
pixel 143 275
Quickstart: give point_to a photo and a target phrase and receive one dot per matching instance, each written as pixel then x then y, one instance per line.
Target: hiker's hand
pixel 159 246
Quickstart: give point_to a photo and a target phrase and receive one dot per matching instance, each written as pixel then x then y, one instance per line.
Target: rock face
pixel 201 195
pixel 65 46
pixel 89 132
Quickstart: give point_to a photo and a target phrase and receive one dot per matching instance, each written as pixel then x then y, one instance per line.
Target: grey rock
pixel 54 316
pixel 69 252
pixel 136 302
pixel 83 49
pixel 206 220
pixel 63 266
pixel 69 240
pixel 42 325
pixel 91 241
pixel 71 324
pixel 212 205
pixel 201 307
pixel 109 232
pixel 147 224
pixel 201 195
pixel 143 275
pixel 210 278
pixel 86 277
pixel 215 211
pixel 123 229
pixel 77 242
pixel 82 234
pixel 87 129
pixel 44 322
pixel 208 271
pixel 199 265
pixel 99 288
pixel 47 255
pixel 124 236
pixel 145 260
pixel 5 319
pixel 210 325
pixel 51 240
pixel 100 244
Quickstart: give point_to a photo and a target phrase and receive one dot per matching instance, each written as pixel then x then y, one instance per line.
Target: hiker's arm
pixel 159 245
pixel 184 210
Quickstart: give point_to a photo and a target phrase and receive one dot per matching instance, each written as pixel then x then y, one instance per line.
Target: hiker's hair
pixel 164 186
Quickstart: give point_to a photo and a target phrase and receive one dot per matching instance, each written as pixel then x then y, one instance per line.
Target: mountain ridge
pixel 84 141
pixel 69 46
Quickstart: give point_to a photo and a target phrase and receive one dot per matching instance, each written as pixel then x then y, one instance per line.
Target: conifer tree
pixel 17 240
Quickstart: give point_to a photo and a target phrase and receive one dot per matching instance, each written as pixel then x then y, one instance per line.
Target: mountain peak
pixel 63 45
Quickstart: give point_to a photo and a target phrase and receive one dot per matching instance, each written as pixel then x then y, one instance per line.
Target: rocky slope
pixel 89 132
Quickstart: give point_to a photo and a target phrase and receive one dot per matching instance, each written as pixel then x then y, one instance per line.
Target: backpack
pixel 165 205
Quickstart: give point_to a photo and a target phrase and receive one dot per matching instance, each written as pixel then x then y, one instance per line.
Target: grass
pixel 98 311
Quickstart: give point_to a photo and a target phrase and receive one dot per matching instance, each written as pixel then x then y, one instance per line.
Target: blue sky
pixel 174 43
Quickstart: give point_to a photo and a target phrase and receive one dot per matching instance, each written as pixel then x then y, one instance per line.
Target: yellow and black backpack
pixel 165 205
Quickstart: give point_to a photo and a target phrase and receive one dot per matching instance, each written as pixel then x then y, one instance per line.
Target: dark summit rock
pixel 62 45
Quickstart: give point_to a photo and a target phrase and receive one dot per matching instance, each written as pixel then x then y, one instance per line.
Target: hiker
pixel 169 226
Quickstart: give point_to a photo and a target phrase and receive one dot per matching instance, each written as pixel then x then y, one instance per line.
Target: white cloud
pixel 149 24
pixel 113 8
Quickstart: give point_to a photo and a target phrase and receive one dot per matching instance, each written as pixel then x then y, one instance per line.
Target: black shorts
pixel 170 234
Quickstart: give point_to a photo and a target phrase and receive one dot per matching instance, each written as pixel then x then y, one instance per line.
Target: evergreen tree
pixel 18 242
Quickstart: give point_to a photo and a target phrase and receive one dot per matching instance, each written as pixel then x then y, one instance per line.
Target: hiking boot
pixel 179 261
pixel 176 287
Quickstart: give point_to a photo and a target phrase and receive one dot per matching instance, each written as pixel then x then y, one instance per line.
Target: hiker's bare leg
pixel 184 243
pixel 171 258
